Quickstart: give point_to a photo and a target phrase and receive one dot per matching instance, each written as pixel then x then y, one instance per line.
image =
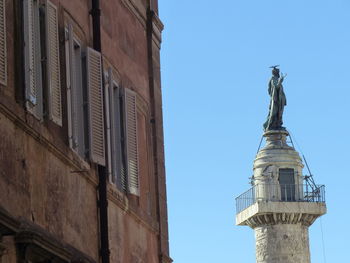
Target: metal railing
pixel 280 193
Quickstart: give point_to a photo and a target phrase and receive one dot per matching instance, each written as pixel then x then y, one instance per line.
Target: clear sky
pixel 215 68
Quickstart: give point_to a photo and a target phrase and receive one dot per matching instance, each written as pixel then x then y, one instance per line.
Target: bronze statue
pixel 277 102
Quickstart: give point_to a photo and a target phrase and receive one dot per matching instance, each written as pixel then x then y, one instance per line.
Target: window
pixel 84 99
pixel 76 97
pixel 33 58
pixel 123 137
pixel 42 62
pixel 287 184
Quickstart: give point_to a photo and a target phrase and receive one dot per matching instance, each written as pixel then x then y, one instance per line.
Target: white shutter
pixel 73 71
pixel 79 103
pixel 33 74
pixel 69 62
pixel 96 116
pixel 109 114
pixel 29 31
pixel 117 151
pixel 3 51
pixel 121 172
pixel 53 64
pixel 131 141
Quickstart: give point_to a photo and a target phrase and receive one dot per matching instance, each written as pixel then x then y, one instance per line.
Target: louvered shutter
pixel 117 131
pixel 96 116
pixel 121 172
pixel 73 84
pixel 131 141
pixel 33 58
pixel 29 31
pixel 69 82
pixel 109 114
pixel 3 51
pixel 53 64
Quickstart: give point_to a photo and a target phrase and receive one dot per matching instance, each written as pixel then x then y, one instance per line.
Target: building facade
pixel 82 175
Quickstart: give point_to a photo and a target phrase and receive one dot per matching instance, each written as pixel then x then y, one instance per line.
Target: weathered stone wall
pixel 282 243
pixel 35 184
pixel 43 182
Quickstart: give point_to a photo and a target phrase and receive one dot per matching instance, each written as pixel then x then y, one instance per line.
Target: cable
pixel 323 246
pixel 292 138
pixel 260 144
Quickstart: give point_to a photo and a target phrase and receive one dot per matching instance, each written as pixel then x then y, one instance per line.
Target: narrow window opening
pixel 76 95
pixel 287 184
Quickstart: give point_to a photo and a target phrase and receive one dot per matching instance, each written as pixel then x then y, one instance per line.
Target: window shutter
pixel 117 130
pixel 69 81
pixel 29 31
pixel 33 77
pixel 96 116
pixel 3 51
pixel 53 64
pixel 109 113
pixel 121 158
pixel 131 141
pixel 72 70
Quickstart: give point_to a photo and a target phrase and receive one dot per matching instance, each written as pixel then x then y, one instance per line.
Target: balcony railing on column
pixel 280 193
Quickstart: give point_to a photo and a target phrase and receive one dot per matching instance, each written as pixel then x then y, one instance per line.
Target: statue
pixel 277 102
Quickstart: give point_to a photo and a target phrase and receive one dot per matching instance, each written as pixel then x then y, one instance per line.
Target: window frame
pixel 42 76
pixel 33 58
pixel 75 92
pixel 119 169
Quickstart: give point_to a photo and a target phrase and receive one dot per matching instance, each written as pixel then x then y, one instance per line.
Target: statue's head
pixel 276 72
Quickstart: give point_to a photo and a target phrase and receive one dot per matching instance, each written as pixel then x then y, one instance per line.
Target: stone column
pixel 281 210
pixel 287 243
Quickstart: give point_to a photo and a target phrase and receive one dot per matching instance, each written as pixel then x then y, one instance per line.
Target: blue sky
pixel 215 68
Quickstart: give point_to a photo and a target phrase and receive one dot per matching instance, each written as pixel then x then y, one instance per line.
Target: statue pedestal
pixel 276 138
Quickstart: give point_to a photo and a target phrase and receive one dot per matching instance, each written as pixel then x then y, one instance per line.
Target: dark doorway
pixel 287 184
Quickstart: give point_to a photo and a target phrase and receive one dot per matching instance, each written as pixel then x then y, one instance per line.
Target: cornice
pixel 27 233
pixel 140 12
pixel 166 259
pixel 8 225
pixel 136 8
pixel 47 245
pixel 157 28
pixel 41 240
pixel 281 218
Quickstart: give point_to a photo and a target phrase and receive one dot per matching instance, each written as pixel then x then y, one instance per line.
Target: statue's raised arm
pixel 277 101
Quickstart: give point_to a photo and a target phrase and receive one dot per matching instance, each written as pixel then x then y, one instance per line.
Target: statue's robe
pixel 277 102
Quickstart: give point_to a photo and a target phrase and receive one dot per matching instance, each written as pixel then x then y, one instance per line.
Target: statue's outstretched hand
pixel 282 77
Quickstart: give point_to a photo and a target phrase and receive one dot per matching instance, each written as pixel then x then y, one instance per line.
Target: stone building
pixel 82 174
